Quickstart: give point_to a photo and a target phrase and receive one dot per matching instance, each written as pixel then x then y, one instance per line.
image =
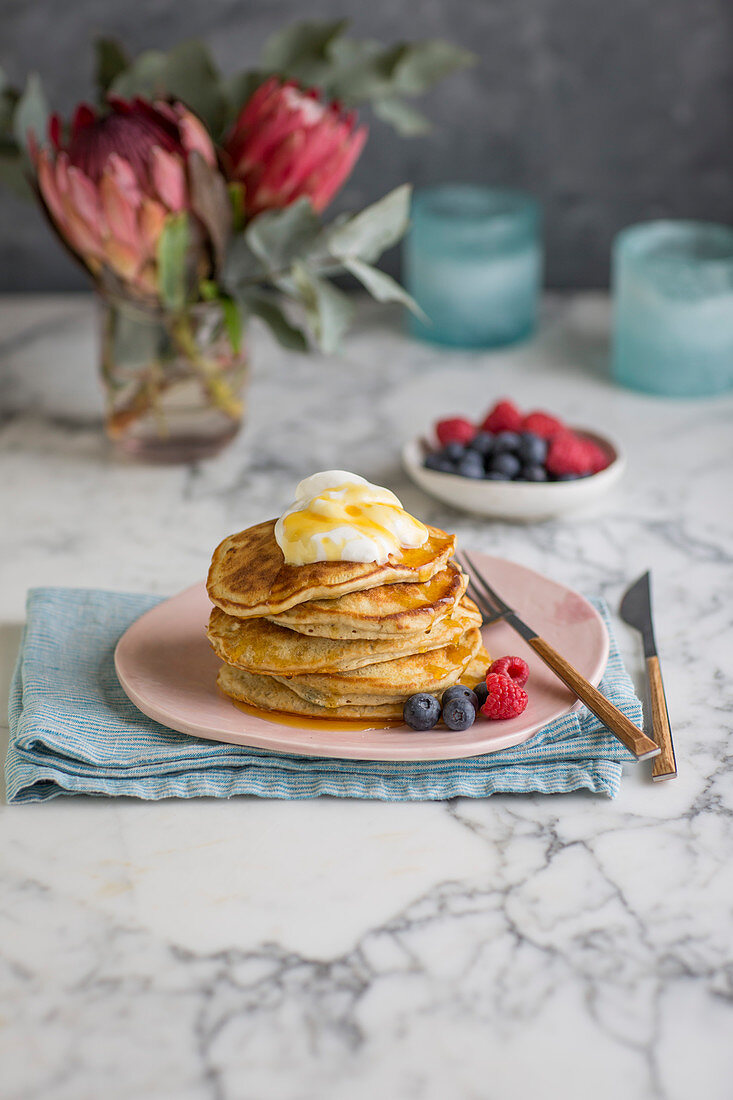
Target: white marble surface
pixel 558 947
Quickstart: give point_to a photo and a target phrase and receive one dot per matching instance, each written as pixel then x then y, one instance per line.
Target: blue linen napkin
pixel 74 731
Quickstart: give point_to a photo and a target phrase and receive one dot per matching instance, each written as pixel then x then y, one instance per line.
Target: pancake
pixel 267 693
pixel 392 609
pixel 260 645
pixel 388 681
pixel 249 577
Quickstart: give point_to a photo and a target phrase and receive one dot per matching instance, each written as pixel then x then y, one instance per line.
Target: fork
pixel 493 607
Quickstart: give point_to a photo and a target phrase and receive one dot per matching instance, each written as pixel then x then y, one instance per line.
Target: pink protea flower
pixel 109 189
pixel 286 144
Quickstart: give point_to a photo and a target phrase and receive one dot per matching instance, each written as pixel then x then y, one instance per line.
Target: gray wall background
pixel 611 111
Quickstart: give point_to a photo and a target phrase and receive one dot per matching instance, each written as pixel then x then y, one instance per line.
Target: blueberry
pixel 505 464
pixel 481 692
pixel 533 473
pixel 471 465
pixel 459 712
pixel 436 461
pixel 494 475
pixel 567 477
pixel 421 711
pixel 482 443
pixel 458 691
pixel 454 452
pixel 506 442
pixel 532 449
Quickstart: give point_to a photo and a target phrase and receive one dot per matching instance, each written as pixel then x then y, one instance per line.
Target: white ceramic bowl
pixel 517 500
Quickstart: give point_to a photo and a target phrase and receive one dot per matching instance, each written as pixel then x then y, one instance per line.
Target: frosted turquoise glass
pixel 473 263
pixel 673 308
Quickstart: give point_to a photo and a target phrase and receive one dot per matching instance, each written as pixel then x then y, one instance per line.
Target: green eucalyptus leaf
pixel 328 310
pixel 192 77
pixel 382 286
pixel 371 72
pixel 242 265
pixel 280 236
pixel 12 169
pixel 367 234
pixel 402 116
pixel 187 72
pixel 31 113
pixel 13 174
pixel 359 71
pixel 423 64
pixel 300 44
pixel 110 62
pixel 9 96
pixel 269 310
pixel 146 76
pixel 367 71
pixel 172 255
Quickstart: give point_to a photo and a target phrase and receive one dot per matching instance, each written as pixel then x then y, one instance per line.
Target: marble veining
pixel 493 949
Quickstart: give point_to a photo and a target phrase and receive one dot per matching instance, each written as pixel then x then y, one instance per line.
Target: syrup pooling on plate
pixel 320 725
pixel 338 516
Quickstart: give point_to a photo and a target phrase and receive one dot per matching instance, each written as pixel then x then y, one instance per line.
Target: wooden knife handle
pixel 630 735
pixel 665 765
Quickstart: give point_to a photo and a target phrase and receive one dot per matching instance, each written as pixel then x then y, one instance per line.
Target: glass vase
pixel 173 382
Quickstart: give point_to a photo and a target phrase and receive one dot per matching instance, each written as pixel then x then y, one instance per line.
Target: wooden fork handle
pixel 633 738
pixel 665 765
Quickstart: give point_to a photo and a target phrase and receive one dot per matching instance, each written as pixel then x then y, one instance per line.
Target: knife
pixel 613 719
pixel 636 610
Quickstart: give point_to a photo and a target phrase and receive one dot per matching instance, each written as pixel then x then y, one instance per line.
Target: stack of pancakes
pixel 340 639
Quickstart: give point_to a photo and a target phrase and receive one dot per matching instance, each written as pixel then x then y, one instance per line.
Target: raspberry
pixel 542 424
pixel 600 458
pixel 515 668
pixel 505 699
pixel 571 454
pixel 504 417
pixel 455 429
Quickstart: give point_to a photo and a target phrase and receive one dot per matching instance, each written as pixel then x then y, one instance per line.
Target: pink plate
pixel 166 667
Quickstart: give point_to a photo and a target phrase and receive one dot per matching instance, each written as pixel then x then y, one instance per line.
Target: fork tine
pixel 471 589
pixel 488 616
pixel 476 582
pixel 475 593
pixel 480 602
pixel 489 613
pixel 490 594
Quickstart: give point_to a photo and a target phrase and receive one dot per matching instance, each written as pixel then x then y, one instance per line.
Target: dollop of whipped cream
pixel 338 516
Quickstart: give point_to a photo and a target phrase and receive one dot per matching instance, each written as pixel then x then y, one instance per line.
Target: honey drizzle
pixel 329 725
pixel 362 508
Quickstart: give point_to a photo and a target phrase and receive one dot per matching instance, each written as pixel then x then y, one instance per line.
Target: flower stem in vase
pixel 221 393
pixel 173 381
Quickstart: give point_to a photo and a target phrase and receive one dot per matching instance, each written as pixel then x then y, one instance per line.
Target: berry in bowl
pixel 514 465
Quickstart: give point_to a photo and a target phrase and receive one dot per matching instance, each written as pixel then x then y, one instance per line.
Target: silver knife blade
pixel 636 610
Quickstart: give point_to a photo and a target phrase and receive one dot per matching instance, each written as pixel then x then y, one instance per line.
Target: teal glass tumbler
pixel 673 308
pixel 473 263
